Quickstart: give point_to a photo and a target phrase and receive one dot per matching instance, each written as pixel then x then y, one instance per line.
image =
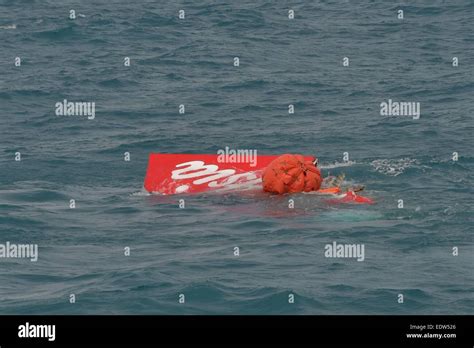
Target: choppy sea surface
pixel 190 61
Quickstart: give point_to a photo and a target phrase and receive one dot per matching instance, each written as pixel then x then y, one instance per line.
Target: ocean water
pixel 190 251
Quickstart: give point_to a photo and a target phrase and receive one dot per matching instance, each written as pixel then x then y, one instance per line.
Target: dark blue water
pixel 190 251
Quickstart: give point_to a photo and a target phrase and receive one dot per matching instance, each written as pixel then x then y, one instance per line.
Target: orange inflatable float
pixel 291 173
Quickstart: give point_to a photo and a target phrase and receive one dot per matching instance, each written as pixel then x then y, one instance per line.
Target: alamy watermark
pixel 394 108
pixel 21 251
pixel 66 108
pixel 228 155
pixel 339 250
pixel 37 331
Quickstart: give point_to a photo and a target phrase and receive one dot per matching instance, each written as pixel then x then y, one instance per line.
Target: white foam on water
pixel 394 167
pixel 8 27
pixel 142 192
pixel 336 165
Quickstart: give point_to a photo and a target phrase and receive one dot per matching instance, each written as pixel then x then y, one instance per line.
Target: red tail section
pixel 189 173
